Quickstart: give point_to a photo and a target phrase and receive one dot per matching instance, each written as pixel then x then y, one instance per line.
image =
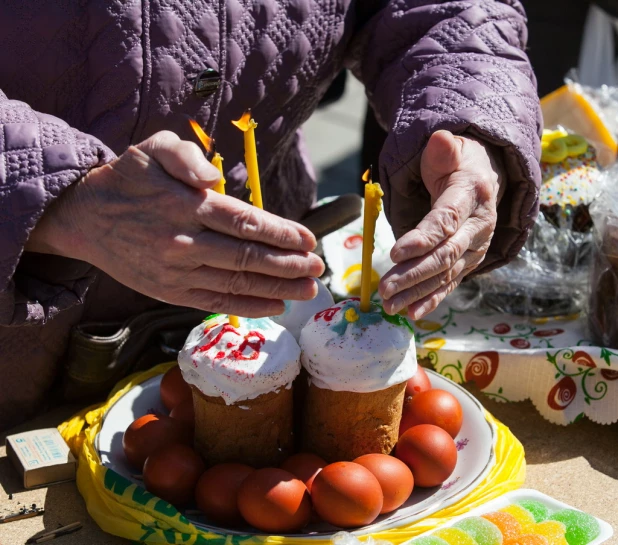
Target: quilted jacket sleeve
pixel 40 156
pixel 458 66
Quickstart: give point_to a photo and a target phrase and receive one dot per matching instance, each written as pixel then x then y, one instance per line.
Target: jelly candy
pixel 553 530
pixel 506 523
pixel 429 540
pixel 539 510
pixel 580 527
pixel 527 539
pixel 483 531
pixel 523 516
pixel 455 536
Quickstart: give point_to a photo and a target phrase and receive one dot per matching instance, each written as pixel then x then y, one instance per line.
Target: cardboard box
pixel 41 457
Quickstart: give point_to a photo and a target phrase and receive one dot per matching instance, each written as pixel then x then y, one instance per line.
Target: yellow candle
pixel 373 206
pixel 247 125
pixel 217 161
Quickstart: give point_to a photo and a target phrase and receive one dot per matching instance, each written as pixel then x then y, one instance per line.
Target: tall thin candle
pixel 373 206
pixel 247 125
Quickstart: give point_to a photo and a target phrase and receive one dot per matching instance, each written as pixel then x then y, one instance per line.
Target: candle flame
pixel 206 141
pixel 367 175
pixel 245 122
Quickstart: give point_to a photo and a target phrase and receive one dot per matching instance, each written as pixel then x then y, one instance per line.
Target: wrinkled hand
pixel 148 220
pixel 464 183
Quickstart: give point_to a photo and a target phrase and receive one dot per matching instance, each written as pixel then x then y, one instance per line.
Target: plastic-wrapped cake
pixel 550 275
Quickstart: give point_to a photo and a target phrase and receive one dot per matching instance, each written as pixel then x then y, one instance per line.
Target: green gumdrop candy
pixel 481 530
pixel 429 540
pixel 455 536
pixel 581 528
pixel 538 510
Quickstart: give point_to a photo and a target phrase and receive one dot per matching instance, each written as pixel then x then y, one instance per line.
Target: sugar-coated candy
pixel 482 530
pixel 581 528
pixel 429 540
pixel 523 516
pixel 553 530
pixel 455 536
pixel 527 539
pixel 506 523
pixel 537 509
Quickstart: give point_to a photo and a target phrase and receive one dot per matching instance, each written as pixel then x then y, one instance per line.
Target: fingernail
pixel 391 289
pixel 397 305
pixel 204 171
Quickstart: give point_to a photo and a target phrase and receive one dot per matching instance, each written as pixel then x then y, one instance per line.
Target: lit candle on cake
pixel 373 206
pixel 217 161
pixel 247 125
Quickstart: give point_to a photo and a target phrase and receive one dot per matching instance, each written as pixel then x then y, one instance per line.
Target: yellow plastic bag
pixel 125 509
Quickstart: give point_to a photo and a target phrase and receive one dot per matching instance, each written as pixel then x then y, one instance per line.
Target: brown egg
pixel 430 453
pixel 216 493
pixel 394 476
pixel 171 473
pixel 151 432
pixel 275 501
pixel 347 495
pixel 305 466
pixel 184 412
pixel 174 390
pixel 437 407
pixel 418 383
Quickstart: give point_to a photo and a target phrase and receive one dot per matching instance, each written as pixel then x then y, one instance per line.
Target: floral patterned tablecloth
pixel 549 361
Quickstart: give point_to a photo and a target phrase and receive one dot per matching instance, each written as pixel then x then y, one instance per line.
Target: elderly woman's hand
pixel 464 182
pixel 149 221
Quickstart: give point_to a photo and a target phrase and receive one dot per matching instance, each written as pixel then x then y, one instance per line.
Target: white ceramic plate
pixel 518 495
pixel 475 444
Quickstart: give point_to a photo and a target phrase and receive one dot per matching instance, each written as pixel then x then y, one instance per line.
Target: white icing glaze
pixel 366 355
pixel 257 358
pixel 297 313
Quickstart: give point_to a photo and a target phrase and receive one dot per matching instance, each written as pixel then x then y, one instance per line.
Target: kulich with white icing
pixel 344 349
pixel 298 313
pixel 241 363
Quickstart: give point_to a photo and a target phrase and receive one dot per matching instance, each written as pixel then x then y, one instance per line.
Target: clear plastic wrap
pixel 549 277
pixel 603 301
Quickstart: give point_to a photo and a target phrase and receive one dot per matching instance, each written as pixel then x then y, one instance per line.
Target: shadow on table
pixel 545 442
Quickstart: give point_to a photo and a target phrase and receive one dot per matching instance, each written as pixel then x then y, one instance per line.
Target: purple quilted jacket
pixel 81 81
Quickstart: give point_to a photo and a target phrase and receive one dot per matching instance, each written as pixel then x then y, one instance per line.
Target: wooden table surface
pixel 577 464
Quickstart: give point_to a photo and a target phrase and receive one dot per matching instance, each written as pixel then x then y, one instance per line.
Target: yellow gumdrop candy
pixel 553 530
pixel 576 145
pixel 549 135
pixel 554 151
pixel 524 517
pixel 455 536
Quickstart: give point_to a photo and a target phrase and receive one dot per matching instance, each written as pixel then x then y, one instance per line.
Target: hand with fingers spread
pixel 465 185
pixel 149 221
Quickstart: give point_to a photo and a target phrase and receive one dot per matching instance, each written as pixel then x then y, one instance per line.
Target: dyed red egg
pixel 347 495
pixel 174 390
pixel 216 493
pixel 171 473
pixel 418 383
pixel 394 476
pixel 275 501
pixel 305 466
pixel 437 407
pixel 429 452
